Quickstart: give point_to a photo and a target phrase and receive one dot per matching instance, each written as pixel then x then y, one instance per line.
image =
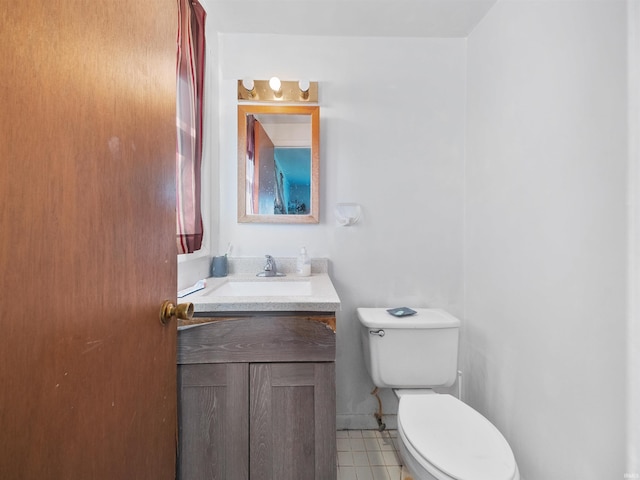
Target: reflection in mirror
pixel 278 164
pixel 281 181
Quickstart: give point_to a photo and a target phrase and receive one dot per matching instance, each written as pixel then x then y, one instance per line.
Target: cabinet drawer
pixel 262 338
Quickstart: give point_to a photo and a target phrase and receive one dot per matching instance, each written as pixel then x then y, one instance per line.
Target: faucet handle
pixel 270 265
pixel 270 269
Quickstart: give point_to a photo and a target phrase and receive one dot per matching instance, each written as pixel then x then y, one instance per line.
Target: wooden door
pixel 264 177
pixel 87 239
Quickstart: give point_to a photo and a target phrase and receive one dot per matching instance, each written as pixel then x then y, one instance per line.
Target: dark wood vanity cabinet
pixel 257 398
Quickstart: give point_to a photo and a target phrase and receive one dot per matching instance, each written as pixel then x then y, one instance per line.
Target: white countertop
pixel 321 296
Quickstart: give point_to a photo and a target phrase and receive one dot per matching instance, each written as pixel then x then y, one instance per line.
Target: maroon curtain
pixel 189 101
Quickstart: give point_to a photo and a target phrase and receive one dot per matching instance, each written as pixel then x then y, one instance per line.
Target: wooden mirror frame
pixel 312 110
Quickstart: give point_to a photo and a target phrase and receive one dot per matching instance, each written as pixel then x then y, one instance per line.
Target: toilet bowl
pixel 440 437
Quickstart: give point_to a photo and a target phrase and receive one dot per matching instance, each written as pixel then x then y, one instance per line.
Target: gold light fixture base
pixel 289 92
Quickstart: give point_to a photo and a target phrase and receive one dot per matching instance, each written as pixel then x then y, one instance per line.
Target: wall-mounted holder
pixel 276 90
pixel 347 214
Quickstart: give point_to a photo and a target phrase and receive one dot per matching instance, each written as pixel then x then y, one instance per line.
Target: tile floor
pixel 368 455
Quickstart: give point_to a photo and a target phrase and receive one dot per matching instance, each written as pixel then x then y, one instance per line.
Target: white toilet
pixel 441 438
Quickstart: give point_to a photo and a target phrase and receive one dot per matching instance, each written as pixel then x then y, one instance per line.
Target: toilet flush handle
pixel 380 332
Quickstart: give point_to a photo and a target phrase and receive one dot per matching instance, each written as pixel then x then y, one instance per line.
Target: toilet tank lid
pixel 424 318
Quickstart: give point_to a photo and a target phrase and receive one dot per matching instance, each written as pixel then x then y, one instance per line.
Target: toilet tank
pixel 417 351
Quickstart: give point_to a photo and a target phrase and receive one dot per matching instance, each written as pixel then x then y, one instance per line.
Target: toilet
pixel 440 437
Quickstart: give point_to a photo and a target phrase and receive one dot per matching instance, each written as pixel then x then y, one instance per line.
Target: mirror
pixel 278 164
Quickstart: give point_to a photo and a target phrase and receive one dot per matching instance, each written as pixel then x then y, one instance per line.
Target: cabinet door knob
pixel 183 311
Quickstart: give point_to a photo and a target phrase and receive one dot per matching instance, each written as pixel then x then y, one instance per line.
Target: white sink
pixel 244 292
pixel 269 288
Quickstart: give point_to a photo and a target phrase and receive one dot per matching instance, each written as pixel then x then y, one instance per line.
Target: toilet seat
pixel 447 436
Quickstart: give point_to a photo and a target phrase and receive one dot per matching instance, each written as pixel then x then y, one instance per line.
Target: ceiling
pixel 362 18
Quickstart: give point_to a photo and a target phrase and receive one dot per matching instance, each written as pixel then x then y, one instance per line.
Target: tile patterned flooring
pixel 368 455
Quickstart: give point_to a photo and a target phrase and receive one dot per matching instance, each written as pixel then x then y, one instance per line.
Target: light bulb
pixel 304 85
pixel 248 84
pixel 275 84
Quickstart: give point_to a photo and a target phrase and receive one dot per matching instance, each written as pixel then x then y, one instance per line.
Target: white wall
pixel 543 347
pixel 392 136
pixel 545 241
pixel 633 288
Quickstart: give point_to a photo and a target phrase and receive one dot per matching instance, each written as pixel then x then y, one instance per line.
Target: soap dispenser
pixel 303 266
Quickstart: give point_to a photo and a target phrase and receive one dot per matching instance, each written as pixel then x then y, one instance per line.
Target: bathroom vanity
pixel 256 381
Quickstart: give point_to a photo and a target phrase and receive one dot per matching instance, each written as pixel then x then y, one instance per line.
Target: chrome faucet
pixel 270 269
pixel 270 266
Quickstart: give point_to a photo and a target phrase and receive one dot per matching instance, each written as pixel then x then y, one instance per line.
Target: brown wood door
pixel 87 239
pixel 264 177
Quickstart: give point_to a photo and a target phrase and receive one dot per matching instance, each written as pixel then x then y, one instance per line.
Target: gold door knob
pixel 183 311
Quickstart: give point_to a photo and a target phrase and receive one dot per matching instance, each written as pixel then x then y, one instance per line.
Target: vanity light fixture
pixel 249 85
pixel 276 85
pixel 276 90
pixel 304 86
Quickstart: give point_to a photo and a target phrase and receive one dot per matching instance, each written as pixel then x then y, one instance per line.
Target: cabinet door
pixel 292 421
pixel 213 419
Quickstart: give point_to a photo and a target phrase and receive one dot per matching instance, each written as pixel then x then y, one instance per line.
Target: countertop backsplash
pixel 283 264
